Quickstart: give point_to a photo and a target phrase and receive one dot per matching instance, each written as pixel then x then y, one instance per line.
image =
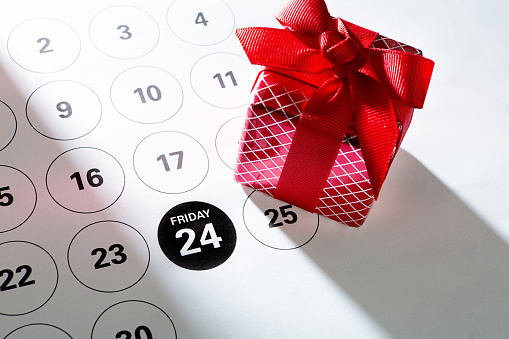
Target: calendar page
pixel 120 218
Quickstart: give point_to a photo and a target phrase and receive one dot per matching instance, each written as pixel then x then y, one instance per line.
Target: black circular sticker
pixel 197 235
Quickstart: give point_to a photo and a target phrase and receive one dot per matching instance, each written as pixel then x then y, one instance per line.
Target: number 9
pixel 64 106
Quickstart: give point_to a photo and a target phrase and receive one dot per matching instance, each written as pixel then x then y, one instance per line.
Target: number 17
pixel 162 158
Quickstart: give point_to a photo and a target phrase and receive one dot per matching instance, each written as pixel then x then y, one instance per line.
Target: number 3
pixel 128 35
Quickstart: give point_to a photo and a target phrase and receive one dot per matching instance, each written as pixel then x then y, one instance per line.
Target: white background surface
pixel 430 262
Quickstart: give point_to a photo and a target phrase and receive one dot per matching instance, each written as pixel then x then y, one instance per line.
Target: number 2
pixel 7 196
pixel 44 48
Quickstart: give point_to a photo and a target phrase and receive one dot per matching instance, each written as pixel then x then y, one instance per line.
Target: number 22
pixel 10 275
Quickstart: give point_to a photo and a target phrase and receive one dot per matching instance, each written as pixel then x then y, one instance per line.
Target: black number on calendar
pixel 6 199
pixel 44 48
pixel 228 75
pixel 200 19
pixel 153 93
pixel 125 31
pixel 290 217
pixel 119 256
pixel 24 270
pixel 64 107
pixel 208 237
pixel 164 160
pixel 137 333
pixel 93 179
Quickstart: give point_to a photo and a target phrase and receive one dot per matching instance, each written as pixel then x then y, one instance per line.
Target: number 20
pixel 137 333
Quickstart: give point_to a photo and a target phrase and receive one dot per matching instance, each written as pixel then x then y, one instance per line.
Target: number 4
pixel 200 19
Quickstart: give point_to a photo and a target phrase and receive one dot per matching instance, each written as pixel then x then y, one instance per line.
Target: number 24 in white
pixel 208 236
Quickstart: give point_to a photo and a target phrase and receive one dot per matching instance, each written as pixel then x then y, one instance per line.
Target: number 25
pixel 284 213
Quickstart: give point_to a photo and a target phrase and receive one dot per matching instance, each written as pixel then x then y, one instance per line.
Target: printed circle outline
pixel 141 122
pixel 134 301
pixel 56 270
pixel 98 290
pixel 76 82
pixel 45 18
pixel 43 324
pixel 196 92
pixel 128 6
pixel 217 135
pixel 195 44
pixel 276 248
pixel 35 202
pixel 206 155
pixel 15 125
pixel 98 149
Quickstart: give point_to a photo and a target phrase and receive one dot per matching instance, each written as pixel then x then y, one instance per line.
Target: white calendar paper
pixel 119 216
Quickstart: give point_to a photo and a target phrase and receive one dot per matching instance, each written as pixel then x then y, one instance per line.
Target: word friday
pixel 188 217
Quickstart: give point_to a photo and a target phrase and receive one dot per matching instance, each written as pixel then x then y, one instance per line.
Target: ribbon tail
pixel 315 145
pixel 377 127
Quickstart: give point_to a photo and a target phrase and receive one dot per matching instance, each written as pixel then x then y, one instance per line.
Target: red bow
pixel 355 82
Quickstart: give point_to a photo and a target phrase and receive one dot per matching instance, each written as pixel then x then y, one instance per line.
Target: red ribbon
pixel 354 81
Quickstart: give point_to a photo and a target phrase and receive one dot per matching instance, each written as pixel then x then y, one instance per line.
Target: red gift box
pixel 330 108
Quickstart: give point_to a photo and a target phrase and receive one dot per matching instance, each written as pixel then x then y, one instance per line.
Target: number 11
pixel 220 79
